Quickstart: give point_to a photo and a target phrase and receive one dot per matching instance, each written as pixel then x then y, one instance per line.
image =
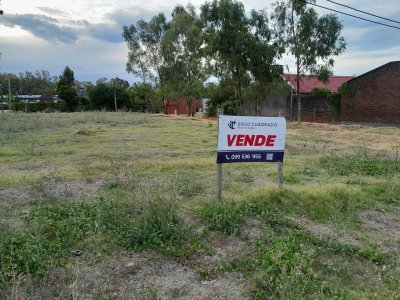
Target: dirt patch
pixel 18 196
pixel 383 228
pixel 22 196
pixel 16 200
pixel 253 228
pixel 73 189
pixel 324 231
pixel 386 224
pixel 144 275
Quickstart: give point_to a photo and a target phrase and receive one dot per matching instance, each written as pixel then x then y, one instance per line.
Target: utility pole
pixel 115 100
pixel 1 98
pixel 9 95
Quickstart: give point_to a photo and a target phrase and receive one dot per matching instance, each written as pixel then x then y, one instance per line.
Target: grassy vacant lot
pixel 122 206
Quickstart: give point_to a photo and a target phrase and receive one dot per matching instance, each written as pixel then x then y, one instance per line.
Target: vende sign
pixel 250 139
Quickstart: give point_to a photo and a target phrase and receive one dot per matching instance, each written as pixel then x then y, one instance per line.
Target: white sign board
pixel 251 139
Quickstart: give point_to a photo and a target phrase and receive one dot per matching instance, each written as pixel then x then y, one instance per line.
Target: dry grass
pixel 121 162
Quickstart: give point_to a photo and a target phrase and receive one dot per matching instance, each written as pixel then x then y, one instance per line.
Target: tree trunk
pixel 291 104
pixel 298 93
pixel 189 106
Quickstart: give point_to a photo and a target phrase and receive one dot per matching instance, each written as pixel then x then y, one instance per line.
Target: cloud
pixel 57 28
pixel 90 59
pixel 52 11
pixel 362 61
pixel 44 27
pixel 111 30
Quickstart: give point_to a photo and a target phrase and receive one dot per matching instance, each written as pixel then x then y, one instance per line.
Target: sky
pixel 86 35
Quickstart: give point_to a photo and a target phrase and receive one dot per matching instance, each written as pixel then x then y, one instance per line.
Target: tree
pixel 118 82
pixel 145 57
pixel 183 61
pixel 311 39
pixel 1 13
pixel 238 47
pixel 105 92
pixel 144 98
pixel 66 90
pixel 37 83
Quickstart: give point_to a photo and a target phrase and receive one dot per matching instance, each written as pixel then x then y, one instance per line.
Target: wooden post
pixel 280 163
pixel 219 165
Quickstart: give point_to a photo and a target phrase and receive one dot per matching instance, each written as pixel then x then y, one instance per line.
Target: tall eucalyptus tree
pixel 311 39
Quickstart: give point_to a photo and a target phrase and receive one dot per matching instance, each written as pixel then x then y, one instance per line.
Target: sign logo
pixel 232 124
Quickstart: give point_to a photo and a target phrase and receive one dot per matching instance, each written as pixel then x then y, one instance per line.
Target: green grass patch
pixel 111 183
pixel 332 203
pixel 160 227
pixel 360 164
pixel 55 229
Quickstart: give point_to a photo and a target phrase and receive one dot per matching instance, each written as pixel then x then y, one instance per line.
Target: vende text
pixel 251 140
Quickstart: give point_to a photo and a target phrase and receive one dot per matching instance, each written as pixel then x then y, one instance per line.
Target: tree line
pixel 237 49
pixel 105 94
pixel 223 53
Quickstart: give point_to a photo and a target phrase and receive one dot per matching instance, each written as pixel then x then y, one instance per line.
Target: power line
pixel 350 15
pixel 364 12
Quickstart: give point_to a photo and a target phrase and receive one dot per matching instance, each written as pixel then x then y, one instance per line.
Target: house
pixel 82 87
pixel 181 107
pixel 373 96
pixel 37 99
pixel 309 83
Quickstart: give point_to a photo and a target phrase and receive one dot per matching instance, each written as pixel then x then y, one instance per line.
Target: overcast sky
pixel 86 35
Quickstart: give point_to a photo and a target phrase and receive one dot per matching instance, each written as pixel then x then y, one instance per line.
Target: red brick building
pixel 374 96
pixel 314 108
pixel 308 83
pixel 181 106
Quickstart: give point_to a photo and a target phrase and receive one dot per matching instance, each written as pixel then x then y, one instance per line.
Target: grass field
pixel 122 206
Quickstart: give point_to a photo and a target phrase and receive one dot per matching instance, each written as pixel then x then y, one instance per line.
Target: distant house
pixel 374 96
pixel 82 87
pixel 181 107
pixel 37 99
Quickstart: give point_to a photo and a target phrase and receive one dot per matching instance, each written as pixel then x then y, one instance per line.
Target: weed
pixel 363 164
pixel 286 270
pixel 291 178
pixel 160 227
pixel 222 216
pixel 55 229
pixel 385 191
pixel 47 185
pixel 140 158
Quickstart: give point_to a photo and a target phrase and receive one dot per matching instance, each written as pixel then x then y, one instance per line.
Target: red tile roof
pixel 308 83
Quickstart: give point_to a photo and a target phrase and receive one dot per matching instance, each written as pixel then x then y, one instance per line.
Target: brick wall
pixel 269 107
pixel 376 98
pixel 171 107
pixel 314 108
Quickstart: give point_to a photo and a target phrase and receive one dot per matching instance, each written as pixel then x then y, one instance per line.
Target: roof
pixel 389 64
pixel 308 83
